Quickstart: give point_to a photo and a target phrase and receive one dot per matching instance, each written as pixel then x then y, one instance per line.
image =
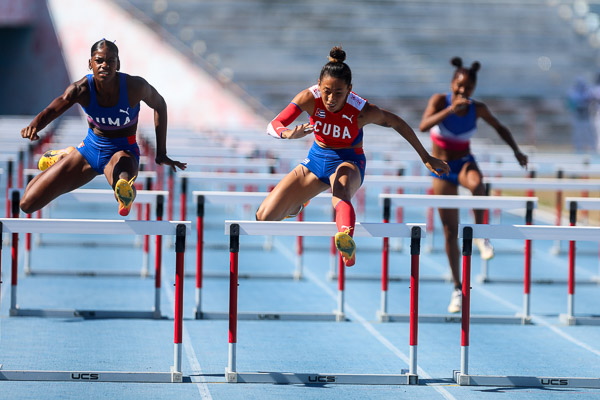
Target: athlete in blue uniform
pixel 111 100
pixel 452 121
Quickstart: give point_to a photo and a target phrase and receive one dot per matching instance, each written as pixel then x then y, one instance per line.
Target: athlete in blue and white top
pixel 111 100
pixel 452 121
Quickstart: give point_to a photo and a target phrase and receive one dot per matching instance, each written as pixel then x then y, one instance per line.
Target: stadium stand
pixel 398 50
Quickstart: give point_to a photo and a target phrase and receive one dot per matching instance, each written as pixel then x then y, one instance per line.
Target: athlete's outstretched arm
pixel 154 100
pixel 437 111
pixel 484 112
pixel 375 115
pixel 278 127
pixel 55 109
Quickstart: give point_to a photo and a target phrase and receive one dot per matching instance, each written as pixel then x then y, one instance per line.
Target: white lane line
pixel 3 287
pixel 355 316
pixel 536 318
pixel 189 349
pixel 3 292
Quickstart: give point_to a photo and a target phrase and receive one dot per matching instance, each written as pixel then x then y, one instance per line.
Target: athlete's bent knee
pixel 261 215
pixel 264 214
pixel 27 206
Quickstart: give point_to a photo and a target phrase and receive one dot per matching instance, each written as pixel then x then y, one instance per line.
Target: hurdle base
pixel 271 316
pixel 84 273
pixel 176 376
pixel 574 320
pixel 292 378
pixel 396 278
pixel 222 275
pixel 382 316
pixel 85 314
pixel 91 376
pixel 449 318
pixel 549 281
pixel 525 381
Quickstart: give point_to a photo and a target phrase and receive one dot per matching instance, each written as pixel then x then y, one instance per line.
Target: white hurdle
pixel 31 172
pixel 270 180
pixel 467 233
pixel 448 201
pixel 245 198
pixel 236 228
pixel 154 198
pixel 557 185
pixel 107 227
pixel 14 310
pixel 265 179
pixel 574 204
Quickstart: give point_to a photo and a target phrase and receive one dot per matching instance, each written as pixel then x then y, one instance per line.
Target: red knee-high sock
pixel 345 216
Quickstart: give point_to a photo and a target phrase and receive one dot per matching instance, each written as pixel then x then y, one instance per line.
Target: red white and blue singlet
pixel 338 131
pixel 455 132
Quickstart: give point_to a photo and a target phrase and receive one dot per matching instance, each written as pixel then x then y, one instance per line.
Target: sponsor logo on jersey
pixel 306 161
pixel 349 118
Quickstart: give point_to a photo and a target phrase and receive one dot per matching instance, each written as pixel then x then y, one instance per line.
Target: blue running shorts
pixel 455 168
pixel 98 150
pixel 324 162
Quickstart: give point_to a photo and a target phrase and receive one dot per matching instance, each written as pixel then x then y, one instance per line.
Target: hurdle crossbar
pixel 448 201
pixel 557 185
pixel 468 233
pixel 110 227
pixel 413 182
pixel 141 174
pixel 63 226
pixel 236 228
pixel 542 183
pixel 143 197
pixel 251 198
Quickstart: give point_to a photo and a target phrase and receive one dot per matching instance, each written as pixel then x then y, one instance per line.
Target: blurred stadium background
pixel 262 52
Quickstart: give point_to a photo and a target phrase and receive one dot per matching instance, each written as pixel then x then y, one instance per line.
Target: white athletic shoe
pixel 486 250
pixel 455 301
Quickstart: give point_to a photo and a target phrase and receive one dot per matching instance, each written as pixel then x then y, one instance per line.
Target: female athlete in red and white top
pixel 336 159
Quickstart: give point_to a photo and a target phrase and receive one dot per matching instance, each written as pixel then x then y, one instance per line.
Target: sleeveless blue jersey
pixel 111 118
pixel 460 126
pixel 454 132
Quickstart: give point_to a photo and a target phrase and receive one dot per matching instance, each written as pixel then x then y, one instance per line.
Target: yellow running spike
pixel 52 156
pixel 125 194
pixel 345 244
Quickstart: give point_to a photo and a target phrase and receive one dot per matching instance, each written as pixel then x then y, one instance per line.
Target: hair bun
pixel 475 66
pixel 337 55
pixel 457 62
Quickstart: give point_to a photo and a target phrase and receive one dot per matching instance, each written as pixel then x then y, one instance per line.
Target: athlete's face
pixel 334 93
pixel 104 64
pixel 462 86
